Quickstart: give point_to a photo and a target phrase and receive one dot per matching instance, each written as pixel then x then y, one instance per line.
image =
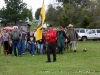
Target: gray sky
pixel 34 4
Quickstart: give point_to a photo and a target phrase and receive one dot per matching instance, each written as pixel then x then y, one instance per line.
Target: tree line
pixel 14 11
pixel 80 13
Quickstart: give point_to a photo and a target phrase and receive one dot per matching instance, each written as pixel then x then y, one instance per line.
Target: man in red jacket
pixel 51 38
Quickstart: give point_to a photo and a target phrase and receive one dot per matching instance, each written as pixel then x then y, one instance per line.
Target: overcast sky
pixel 34 4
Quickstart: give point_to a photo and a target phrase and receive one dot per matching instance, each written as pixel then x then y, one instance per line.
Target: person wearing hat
pixel 70 26
pixel 51 38
pixel 73 36
pixel 15 37
pixel 61 38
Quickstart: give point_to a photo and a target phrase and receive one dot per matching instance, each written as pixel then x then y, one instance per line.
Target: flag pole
pixel 42 19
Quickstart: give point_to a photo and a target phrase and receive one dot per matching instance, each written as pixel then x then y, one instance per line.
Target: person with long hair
pixel 31 43
pixel 5 41
pixel 0 40
pixel 10 42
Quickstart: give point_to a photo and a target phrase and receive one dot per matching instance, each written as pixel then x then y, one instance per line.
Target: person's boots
pixel 5 52
pixel 74 50
pixel 59 50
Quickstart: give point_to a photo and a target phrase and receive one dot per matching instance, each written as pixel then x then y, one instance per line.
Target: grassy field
pixel 1 27
pixel 31 28
pixel 69 63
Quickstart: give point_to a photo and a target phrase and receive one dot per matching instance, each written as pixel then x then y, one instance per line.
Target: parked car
pixel 81 30
pixel 90 34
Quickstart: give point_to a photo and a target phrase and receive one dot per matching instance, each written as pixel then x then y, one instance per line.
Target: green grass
pixel 1 27
pixel 69 63
pixel 33 26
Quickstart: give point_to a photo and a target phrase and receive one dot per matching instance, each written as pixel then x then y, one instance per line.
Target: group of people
pixel 53 41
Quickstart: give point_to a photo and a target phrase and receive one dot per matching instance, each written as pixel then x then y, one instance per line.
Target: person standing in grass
pixel 61 38
pixel 0 40
pixel 10 42
pixel 51 38
pixel 31 43
pixel 15 37
pixel 22 41
pixel 73 36
pixel 40 44
pixel 5 41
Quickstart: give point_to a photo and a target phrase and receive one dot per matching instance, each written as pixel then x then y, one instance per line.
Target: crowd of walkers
pixel 54 40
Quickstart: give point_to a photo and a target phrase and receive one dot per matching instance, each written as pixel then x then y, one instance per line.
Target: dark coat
pixel 72 34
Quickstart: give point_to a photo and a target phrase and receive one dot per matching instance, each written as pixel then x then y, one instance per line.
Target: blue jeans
pixel 22 46
pixel 40 48
pixel 31 48
pixel 16 45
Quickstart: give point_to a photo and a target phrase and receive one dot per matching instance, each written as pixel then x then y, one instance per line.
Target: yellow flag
pixel 41 20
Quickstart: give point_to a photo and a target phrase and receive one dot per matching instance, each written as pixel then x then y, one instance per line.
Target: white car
pixel 81 30
pixel 90 34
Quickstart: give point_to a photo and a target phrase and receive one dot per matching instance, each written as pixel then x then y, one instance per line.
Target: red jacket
pixel 51 36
